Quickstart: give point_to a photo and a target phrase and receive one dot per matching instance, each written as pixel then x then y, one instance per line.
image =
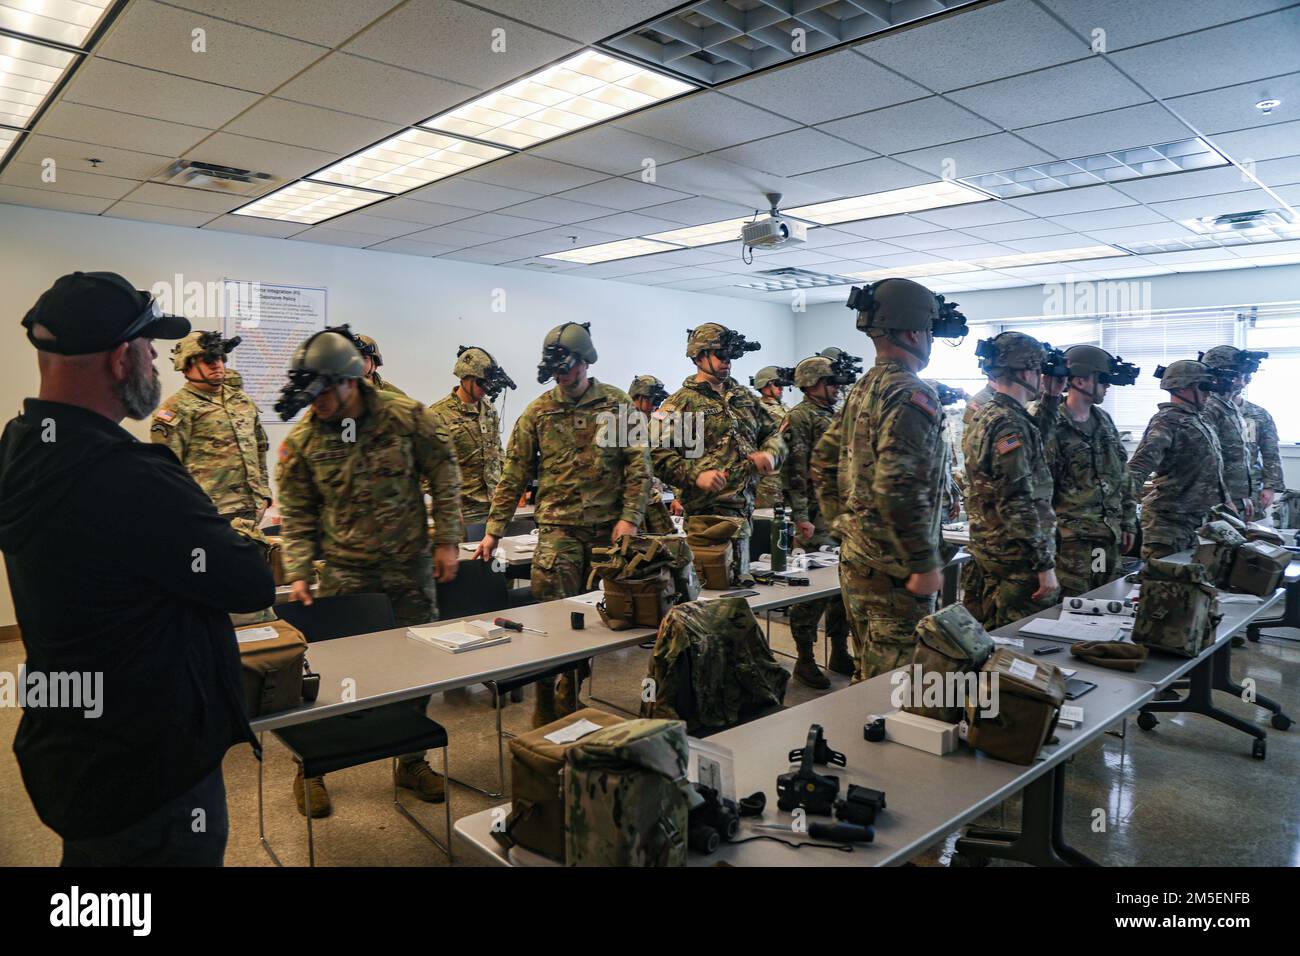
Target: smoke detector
pixel 190 174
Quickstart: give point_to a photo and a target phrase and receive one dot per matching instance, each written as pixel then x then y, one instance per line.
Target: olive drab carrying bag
pixel 1287 509
pixel 1216 549
pixel 273 667
pixel 627 796
pixel 711 667
pixel 949 641
pixel 1178 608
pixel 642 576
pixel 537 811
pixel 1259 567
pixel 713 540
pixel 1027 700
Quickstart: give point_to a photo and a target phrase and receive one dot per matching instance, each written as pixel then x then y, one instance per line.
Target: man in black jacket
pixel 123 577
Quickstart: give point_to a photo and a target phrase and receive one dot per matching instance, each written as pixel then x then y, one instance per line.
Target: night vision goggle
pixel 784 377
pixel 734 345
pixel 495 378
pixel 212 346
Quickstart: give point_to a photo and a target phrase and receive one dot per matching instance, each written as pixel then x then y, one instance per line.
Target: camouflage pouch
pixel 1288 509
pixel 273 669
pixel 950 641
pixel 1028 701
pixel 1259 567
pixel 627 796
pixel 1257 532
pixel 1178 608
pixel 639 603
pixel 1216 547
pixel 713 541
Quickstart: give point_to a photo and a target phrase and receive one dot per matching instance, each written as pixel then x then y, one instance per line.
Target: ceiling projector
pixel 772 232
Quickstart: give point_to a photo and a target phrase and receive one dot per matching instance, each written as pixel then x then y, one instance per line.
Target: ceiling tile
pixel 533 173
pixel 871 176
pixel 701 209
pixel 1067 240
pixel 1061 92
pixel 1127 23
pixel 629 224
pixel 377 225
pixel 904 259
pixel 887 227
pixel 705 121
pixel 1264 142
pixel 713 257
pixel 159 37
pixel 411 248
pixel 623 194
pixel 1199 182
pixel 500 226
pixel 865 249
pixel 720 180
pixel 1222 56
pixel 583 20
pixel 485 257
pixel 824 237
pixel 456 42
pixel 1109 218
pixel 468 194
pixel 1150 233
pixel 258 155
pixel 453 235
pixel 45 199
pixel 327 22
pixel 943 239
pixel 1023 36
pixel 910 126
pixel 159 214
pixel 72 155
pixel 130 89
pixel 611 150
pixel 556 210
pixel 180 197
pixel 1233 107
pixel 298 124
pixel 428 213
pixel 622 267
pixel 1217 205
pixel 66 181
pixel 352 84
pixel 121 130
pixel 1027 229
pixel 789 154
pixel 824 88
pixel 250 226
pixel 972 214
pixel 329 235
pixel 1279 172
pixel 973 157
pixel 1083 199
pixel 1145 125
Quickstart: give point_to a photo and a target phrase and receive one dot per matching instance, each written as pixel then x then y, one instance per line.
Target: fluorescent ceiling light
pixel 308 202
pixel 7 139
pixel 69 22
pixel 873 205
pixel 608 251
pixel 727 230
pixel 1263 225
pixel 788 279
pixel 1055 255
pixel 1112 167
pixel 413 158
pixel 28 71
pixel 586 88
pixel 916 272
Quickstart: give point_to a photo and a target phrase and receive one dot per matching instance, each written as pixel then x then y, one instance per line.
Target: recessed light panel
pixel 608 251
pixel 891 203
pixel 788 279
pixel 1260 226
pixel 1053 256
pixel 28 72
pixel 309 203
pixel 1115 166
pixel 7 139
pixel 69 22
pixel 727 230
pixel 413 158
pixel 584 89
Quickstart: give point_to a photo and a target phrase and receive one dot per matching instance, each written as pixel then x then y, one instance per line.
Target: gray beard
pixel 141 390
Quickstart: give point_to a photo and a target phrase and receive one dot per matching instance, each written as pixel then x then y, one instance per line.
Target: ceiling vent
pixel 1243 221
pixel 789 278
pixel 713 41
pixel 217 179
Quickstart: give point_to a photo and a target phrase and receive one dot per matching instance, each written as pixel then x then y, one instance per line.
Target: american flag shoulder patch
pixel 924 402
pixel 164 415
pixel 1008 444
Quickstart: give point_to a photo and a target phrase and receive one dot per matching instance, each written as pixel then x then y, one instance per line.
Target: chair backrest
pixel 272 529
pixel 520 526
pixel 477 590
pixel 760 539
pixel 343 615
pixel 475 532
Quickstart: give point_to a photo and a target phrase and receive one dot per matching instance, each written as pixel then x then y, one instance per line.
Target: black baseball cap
pixel 88 312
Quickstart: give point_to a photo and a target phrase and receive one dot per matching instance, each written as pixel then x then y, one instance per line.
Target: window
pixel 1273 387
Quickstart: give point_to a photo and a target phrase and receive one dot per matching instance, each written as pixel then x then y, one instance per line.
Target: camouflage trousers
pixel 882 615
pixel 996 597
pixel 1162 536
pixel 410 589
pixel 561 566
pixel 805 617
pixel 1077 563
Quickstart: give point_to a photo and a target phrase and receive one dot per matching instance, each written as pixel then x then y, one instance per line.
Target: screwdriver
pixel 510 625
pixel 834 832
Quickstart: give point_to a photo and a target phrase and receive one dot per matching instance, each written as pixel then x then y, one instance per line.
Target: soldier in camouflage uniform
pixel 805 425
pixel 952 493
pixel 1262 456
pixel 770 390
pixel 879 473
pixel 975 403
pixel 1182 449
pixel 590 491
pixel 647 394
pixel 1223 414
pixel 740 441
pixel 1095 505
pixel 471 420
pixel 369 350
pixel 1009 488
pixel 349 478
pixel 214 429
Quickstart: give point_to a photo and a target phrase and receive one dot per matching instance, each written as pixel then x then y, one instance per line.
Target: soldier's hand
pixel 1047 585
pixel 1248 509
pixel 300 591
pixel 485 547
pixel 446 562
pixel 805 529
pixel 1126 542
pixel 1053 385
pixel 763 461
pixel 715 479
pixel 676 508
pixel 622 528
pixel 1266 497
pixel 926 582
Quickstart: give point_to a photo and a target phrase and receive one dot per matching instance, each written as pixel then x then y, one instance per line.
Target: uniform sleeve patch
pixel 924 402
pixel 284 451
pixel 1008 444
pixel 165 415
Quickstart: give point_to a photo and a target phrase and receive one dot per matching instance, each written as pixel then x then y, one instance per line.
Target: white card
pixel 575 731
pixel 1025 670
pixel 251 634
pixel 1009 641
pixel 1072 713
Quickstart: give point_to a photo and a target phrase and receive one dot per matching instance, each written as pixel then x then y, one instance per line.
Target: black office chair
pixel 760 539
pixel 477 590
pixel 520 526
pixel 272 529
pixel 378 733
pixel 475 532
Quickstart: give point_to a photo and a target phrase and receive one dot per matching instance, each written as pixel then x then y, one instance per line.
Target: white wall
pixel 418 309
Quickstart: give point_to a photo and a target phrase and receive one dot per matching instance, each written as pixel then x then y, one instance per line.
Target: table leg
pixel 1222 680
pixel 1041 839
pixel 1199 701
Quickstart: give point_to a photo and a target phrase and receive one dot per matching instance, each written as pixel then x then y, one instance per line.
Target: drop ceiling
pixel 967 91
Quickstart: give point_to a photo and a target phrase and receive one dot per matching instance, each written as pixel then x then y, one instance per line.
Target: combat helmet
pixel 563 347
pixel 1088 360
pixel 812 370
pixel 208 345
pixel 712 337
pixel 1185 373
pixel 472 362
pixel 1012 351
pixel 895 305
pixel 767 375
pixel 368 348
pixel 328 357
pixel 1222 356
pixel 647 386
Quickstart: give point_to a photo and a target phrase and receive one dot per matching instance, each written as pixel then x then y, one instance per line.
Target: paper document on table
pixel 575 731
pixel 250 634
pixel 1089 629
pixel 1071 716
pixel 462 636
pixel 591 598
pixel 1238 598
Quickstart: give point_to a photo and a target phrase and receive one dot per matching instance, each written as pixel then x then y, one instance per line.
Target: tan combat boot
pixel 841 661
pixel 807 672
pixel 544 710
pixel 320 799
pixel 566 692
pixel 422 780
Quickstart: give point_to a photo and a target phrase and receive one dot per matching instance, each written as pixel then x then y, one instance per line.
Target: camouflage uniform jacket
pixel 879 472
pixel 583 478
pixel 219 439
pixel 359 503
pixel 975 403
pixel 385 386
pixel 1093 497
pixel 1183 452
pixel 805 425
pixel 1262 448
pixel 1009 498
pixel 1225 418
pixel 476 432
pixel 771 487
pixel 735 426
